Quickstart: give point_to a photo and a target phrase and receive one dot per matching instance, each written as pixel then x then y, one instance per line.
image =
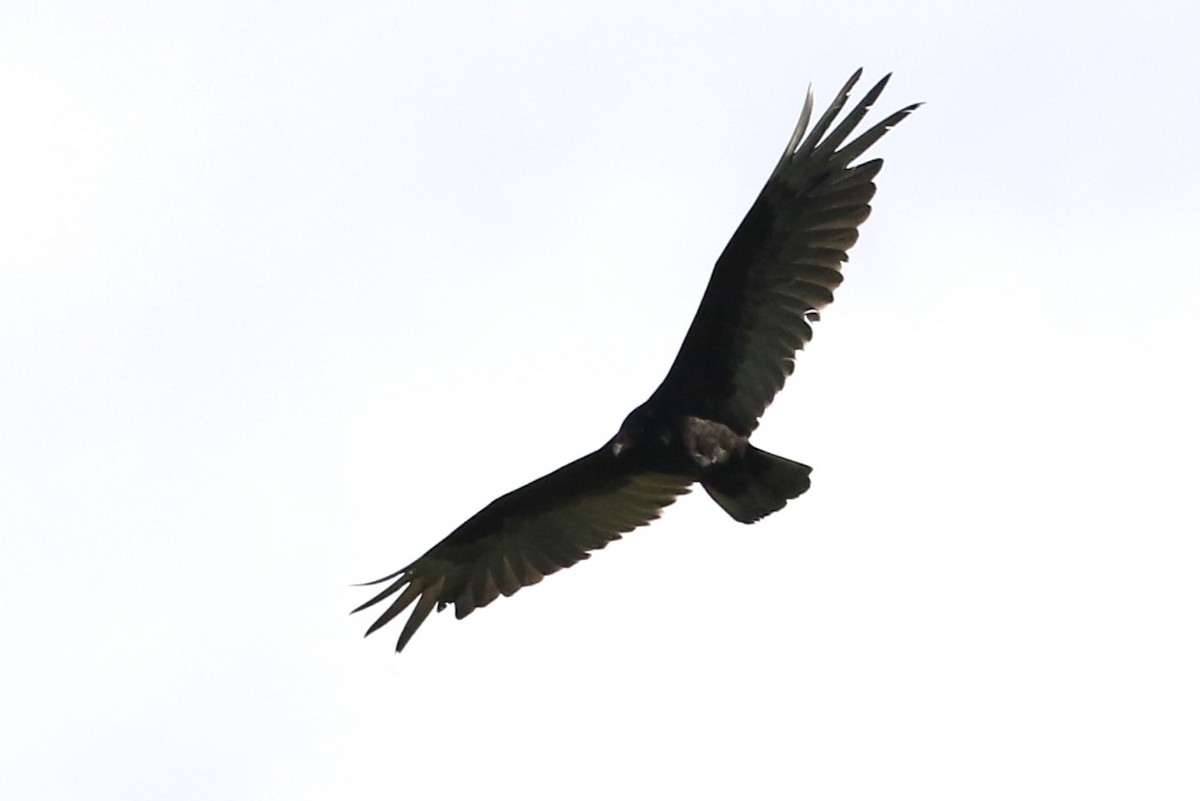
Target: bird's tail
pixel 752 487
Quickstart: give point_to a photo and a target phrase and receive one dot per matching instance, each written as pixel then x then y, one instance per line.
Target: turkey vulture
pixel 781 266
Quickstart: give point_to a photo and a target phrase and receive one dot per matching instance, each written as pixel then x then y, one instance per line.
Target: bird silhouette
pixel 779 269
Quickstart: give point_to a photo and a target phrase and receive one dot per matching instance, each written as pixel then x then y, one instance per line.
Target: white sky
pixel 288 291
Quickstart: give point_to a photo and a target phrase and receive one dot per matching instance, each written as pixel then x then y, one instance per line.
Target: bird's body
pixel 781 266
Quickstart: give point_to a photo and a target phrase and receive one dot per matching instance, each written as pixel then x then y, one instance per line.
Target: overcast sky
pixel 290 290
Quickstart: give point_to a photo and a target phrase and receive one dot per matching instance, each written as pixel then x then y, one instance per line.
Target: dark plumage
pixel 778 270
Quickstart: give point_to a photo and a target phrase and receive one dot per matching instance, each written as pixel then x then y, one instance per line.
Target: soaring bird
pixel 779 269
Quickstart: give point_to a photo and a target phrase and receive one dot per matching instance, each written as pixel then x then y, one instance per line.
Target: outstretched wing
pixel 780 267
pixel 523 536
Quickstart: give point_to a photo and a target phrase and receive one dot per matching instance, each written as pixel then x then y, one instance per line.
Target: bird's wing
pixel 528 534
pixel 780 267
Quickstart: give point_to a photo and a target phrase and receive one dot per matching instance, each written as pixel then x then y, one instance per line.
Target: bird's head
pixel 635 431
pixel 630 433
